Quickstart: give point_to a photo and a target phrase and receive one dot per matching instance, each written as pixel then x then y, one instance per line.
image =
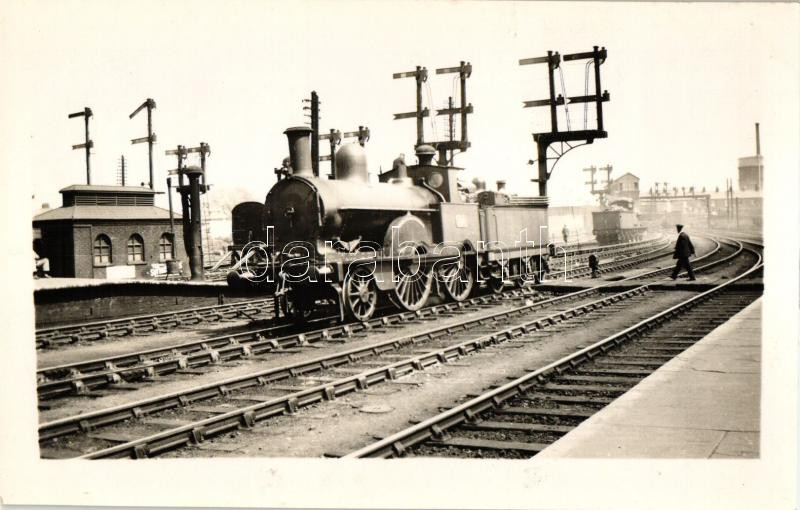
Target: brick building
pixel 626 185
pixel 108 232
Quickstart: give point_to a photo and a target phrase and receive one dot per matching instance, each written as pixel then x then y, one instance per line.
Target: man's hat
pixel 679 225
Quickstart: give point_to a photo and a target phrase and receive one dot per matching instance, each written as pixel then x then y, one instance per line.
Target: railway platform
pixel 705 403
pixel 74 283
pixel 66 300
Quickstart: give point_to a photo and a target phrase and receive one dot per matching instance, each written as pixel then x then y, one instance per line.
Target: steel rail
pixel 247 416
pixel 73 333
pixel 129 325
pixel 115 370
pixel 84 375
pixel 134 409
pixel 89 421
pixel 201 352
pixel 398 443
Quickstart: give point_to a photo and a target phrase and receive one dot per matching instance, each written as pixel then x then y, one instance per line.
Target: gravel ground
pixel 171 383
pixel 352 421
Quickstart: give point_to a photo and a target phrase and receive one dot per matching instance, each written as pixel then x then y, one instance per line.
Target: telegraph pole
pixel 150 104
pixel 591 170
pixel 314 114
pixel 334 138
pixel 420 75
pixel 88 144
pixel 451 126
pixel 464 70
pixel 122 170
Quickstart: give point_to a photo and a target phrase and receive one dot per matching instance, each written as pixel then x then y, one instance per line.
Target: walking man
pixel 683 250
pixel 565 233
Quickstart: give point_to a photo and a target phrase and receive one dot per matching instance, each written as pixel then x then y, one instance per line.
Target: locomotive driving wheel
pixel 413 288
pixel 360 294
pixel 457 280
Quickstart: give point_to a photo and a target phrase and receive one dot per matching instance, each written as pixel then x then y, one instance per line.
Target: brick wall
pixel 70 246
pixel 76 304
pixel 119 233
pixel 82 250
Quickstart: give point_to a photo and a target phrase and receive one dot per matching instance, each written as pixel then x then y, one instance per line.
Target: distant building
pixel 108 232
pixel 626 186
pixel 751 173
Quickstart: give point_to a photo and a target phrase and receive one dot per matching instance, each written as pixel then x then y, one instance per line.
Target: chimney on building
pixel 758 141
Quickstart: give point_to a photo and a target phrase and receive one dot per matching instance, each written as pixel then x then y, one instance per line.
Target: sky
pixel 687 84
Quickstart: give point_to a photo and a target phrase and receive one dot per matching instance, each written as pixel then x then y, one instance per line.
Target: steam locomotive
pixel 615 226
pixel 358 243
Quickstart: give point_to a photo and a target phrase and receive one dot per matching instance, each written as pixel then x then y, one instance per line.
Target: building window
pixel 102 250
pixel 165 248
pixel 135 249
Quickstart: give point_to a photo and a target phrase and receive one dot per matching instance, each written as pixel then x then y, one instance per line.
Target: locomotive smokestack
pixel 758 141
pixel 501 186
pixel 300 150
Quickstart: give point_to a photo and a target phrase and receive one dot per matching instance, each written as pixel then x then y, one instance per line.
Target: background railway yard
pixel 501 375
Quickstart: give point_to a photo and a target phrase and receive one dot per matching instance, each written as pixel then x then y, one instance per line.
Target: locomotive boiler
pixel 358 242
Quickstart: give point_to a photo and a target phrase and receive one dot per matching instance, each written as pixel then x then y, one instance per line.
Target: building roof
pixel 624 175
pixel 103 212
pixel 107 189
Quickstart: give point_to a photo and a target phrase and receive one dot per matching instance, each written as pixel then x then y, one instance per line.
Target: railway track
pixel 78 378
pixel 82 377
pixel 80 433
pixel 257 308
pixel 152 323
pixel 521 418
